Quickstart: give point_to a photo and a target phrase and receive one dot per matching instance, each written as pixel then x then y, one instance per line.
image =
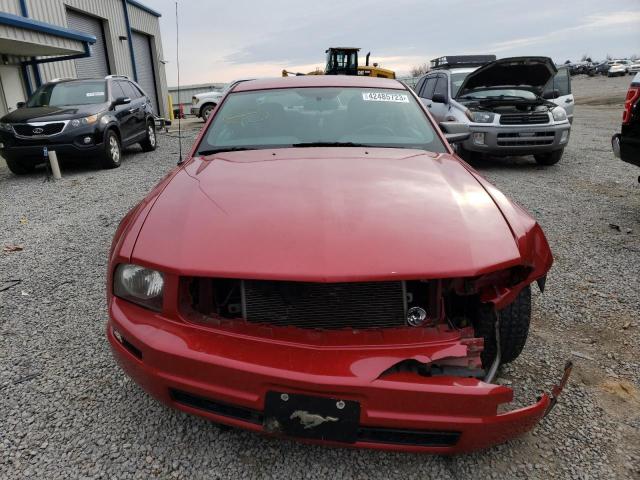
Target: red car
pixel 323 266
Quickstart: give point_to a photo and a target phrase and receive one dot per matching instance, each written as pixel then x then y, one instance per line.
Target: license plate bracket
pixel 305 416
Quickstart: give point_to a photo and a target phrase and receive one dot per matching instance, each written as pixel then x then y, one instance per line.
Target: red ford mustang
pixel 323 266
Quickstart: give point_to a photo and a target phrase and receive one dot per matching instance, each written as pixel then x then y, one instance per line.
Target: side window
pixel 427 89
pixel 117 91
pixel 139 93
pixel 563 82
pixel 441 86
pixel 128 90
pixel 418 86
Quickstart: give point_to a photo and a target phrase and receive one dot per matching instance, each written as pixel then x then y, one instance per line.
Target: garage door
pixel 144 67
pixel 97 65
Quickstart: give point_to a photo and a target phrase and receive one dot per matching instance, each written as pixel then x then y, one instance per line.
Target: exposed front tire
pixel 150 141
pixel 550 158
pixel 206 111
pixel 112 150
pixel 514 329
pixel 19 168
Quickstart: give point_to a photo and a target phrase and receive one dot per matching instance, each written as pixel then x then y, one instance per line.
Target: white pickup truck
pixel 202 104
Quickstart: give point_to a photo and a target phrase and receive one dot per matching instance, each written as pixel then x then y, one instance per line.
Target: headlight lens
pixel 482 117
pixel 6 127
pixel 84 121
pixel 139 285
pixel 559 114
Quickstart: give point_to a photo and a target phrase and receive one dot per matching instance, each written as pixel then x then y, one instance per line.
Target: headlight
pixel 559 115
pixel 139 285
pixel 84 121
pixel 5 127
pixel 482 117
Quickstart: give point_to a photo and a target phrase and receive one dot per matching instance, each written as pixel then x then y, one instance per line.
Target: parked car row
pixel 611 68
pixel 89 119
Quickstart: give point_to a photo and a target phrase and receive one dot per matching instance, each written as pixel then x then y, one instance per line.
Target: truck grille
pixel 325 305
pixel 524 119
pixel 26 130
pixel 521 139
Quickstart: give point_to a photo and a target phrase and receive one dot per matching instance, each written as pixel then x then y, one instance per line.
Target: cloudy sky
pixel 223 40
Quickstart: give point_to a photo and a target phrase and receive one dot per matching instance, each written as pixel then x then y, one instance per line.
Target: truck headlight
pixel 482 117
pixel 139 285
pixel 559 115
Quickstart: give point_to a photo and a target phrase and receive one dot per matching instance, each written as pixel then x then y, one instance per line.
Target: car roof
pixel 319 81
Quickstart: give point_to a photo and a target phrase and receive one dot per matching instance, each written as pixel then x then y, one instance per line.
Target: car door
pixel 137 109
pixel 426 92
pixel 123 112
pixel 439 109
pixel 561 81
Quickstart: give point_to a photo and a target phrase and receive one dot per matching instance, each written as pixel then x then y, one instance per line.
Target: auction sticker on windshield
pixel 385 97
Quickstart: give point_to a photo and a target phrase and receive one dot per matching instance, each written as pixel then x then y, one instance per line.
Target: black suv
pixel 88 119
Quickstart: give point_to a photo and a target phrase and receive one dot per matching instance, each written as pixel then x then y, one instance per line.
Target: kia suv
pixel 91 119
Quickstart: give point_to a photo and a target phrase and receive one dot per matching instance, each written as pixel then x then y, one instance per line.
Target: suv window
pixel 561 82
pixel 441 86
pixel 419 85
pixel 429 85
pixel 128 90
pixel 69 93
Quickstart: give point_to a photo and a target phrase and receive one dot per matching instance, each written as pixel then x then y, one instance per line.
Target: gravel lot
pixel 69 412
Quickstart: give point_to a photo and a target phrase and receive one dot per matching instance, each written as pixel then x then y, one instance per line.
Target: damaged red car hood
pixel 326 214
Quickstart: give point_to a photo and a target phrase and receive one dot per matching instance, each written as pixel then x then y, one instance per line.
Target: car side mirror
pixel 438 98
pixel 551 94
pixel 455 132
pixel 21 104
pixel 121 101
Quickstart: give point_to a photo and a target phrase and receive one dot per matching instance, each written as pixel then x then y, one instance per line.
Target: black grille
pixel 515 139
pixel 424 438
pixel 325 305
pixel 36 131
pixel 524 119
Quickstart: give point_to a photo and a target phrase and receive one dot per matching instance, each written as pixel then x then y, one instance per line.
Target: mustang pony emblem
pixel 311 420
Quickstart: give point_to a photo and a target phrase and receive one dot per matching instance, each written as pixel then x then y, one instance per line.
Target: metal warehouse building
pixel 45 39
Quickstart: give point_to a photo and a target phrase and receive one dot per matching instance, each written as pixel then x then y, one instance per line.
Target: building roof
pixel 319 81
pixel 42 27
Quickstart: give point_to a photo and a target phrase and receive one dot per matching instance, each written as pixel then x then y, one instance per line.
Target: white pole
pixel 55 168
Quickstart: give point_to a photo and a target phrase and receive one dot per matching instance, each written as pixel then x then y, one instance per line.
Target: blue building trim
pixel 37 26
pixel 144 7
pixel 131 52
pixel 23 8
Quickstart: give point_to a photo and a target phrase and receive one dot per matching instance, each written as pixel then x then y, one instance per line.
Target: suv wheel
pixel 150 141
pixel 549 158
pixel 206 111
pixel 514 329
pixel 112 153
pixel 19 168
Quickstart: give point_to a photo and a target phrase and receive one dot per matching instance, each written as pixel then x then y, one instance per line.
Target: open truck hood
pixel 528 73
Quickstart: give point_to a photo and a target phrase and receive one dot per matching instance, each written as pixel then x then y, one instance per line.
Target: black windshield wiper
pixel 225 149
pixel 329 144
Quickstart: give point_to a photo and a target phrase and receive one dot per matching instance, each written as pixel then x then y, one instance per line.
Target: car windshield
pixel 336 116
pixel 497 93
pixel 456 81
pixel 69 93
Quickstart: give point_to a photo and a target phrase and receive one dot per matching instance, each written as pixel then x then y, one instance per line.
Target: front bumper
pixel 195 111
pixel 66 145
pixel 518 139
pixel 225 374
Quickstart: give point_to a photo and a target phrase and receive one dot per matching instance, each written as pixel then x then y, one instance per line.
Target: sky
pixel 225 40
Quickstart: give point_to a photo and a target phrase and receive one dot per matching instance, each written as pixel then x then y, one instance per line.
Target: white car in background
pixel 202 104
pixel 634 67
pixel 619 67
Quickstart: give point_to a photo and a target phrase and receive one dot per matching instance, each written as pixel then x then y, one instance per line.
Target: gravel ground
pixel 69 412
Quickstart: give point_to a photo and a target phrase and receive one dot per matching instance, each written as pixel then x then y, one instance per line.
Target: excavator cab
pixel 342 61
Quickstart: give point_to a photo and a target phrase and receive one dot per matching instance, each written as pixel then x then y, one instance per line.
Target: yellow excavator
pixel 344 61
